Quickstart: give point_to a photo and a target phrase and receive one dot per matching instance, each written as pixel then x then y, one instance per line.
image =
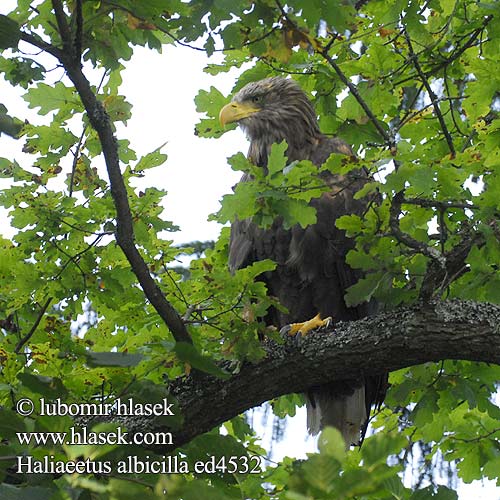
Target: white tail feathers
pixel 346 413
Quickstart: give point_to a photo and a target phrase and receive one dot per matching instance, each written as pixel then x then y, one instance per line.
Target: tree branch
pixel 408 336
pixel 26 338
pixel 323 51
pixel 79 29
pixel 64 29
pixel 405 238
pixel 422 202
pixel 433 97
pixel 36 41
pixel 100 121
pixel 391 143
pixel 438 277
pixel 178 40
pixel 459 50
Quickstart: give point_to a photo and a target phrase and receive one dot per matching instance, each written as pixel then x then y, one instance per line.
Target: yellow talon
pixel 307 326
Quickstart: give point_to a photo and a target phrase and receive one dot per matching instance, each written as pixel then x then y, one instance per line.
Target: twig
pixel 391 143
pixel 74 258
pixel 438 376
pixel 184 44
pixel 329 45
pixel 36 41
pixel 438 277
pixel 76 157
pixel 76 154
pixel 459 98
pixel 475 34
pixel 405 238
pixel 468 140
pixel 26 338
pixel 478 438
pixel 287 72
pixel 231 308
pixel 409 116
pixel 450 278
pixel 181 295
pixel 456 54
pixel 438 204
pixel 63 29
pixel 71 258
pixel 433 97
pixel 86 231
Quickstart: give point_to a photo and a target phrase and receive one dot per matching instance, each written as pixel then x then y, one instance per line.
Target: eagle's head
pixel 273 110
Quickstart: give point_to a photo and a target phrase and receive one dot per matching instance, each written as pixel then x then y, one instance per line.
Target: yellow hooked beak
pixel 235 111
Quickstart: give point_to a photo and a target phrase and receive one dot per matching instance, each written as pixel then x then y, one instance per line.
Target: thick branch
pixel 438 277
pixel 79 29
pixel 389 341
pixel 124 228
pixel 63 28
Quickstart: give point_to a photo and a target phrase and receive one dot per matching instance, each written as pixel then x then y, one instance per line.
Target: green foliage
pixel 287 405
pixel 277 191
pixel 9 125
pixel 9 33
pixel 334 473
pixel 211 103
pixel 76 325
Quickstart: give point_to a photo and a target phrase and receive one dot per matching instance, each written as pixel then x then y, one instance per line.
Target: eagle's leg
pixel 307 326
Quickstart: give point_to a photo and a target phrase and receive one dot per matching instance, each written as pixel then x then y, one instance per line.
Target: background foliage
pixel 410 84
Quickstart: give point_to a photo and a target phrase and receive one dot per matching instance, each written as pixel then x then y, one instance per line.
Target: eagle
pixel 311 275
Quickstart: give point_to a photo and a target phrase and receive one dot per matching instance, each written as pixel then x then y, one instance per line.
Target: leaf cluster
pixel 280 190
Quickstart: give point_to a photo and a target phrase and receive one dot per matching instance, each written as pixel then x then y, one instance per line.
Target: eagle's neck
pixel 297 125
pixel 300 143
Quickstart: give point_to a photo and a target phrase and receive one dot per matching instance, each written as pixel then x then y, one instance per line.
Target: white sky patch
pixel 196 174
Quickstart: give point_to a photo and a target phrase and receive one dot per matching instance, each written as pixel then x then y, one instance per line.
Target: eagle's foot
pixel 307 326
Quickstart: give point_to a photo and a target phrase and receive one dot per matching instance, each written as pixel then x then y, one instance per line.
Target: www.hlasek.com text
pixel 83 436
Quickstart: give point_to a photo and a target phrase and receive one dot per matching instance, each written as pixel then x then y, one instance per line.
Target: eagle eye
pixel 256 99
